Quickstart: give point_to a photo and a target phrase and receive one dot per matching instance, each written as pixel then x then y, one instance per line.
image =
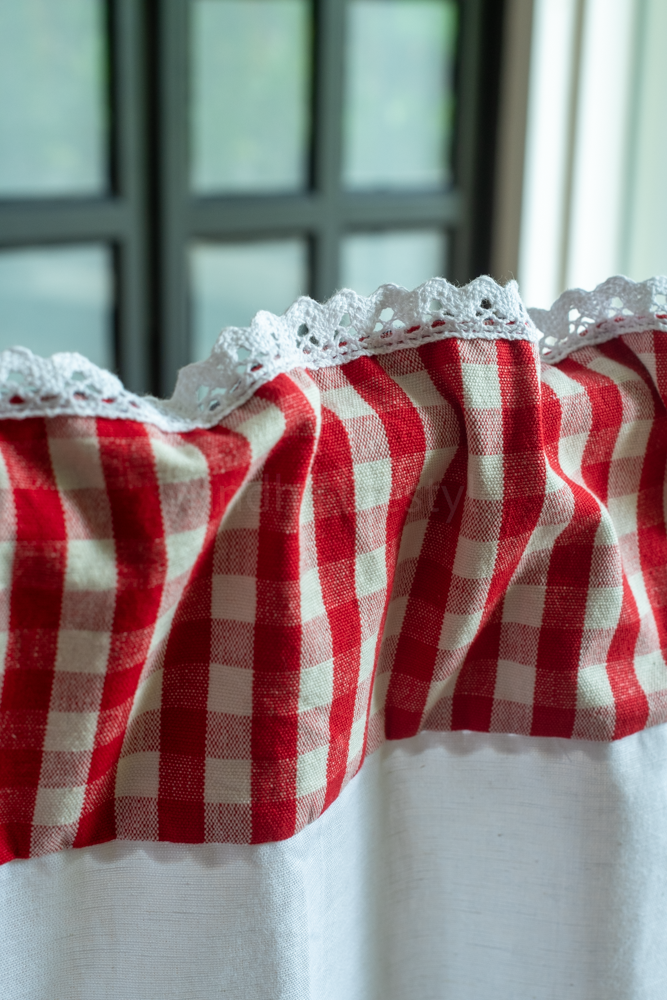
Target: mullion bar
pixel 328 109
pixel 477 88
pixel 171 23
pixel 129 173
pixel 465 132
pixel 220 216
pixel 484 177
pixel 50 220
pixel 443 209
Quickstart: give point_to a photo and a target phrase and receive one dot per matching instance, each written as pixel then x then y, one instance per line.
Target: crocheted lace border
pixel 617 306
pixel 312 335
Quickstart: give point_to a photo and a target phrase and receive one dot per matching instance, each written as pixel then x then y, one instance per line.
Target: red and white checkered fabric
pixel 203 634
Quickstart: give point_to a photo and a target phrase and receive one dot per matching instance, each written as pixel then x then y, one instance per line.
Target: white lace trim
pixel 69 384
pixel 619 305
pixel 310 335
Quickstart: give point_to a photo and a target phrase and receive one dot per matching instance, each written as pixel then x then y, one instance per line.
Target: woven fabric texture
pixel 204 633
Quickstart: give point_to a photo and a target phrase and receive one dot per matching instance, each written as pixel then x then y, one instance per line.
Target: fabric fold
pixel 205 632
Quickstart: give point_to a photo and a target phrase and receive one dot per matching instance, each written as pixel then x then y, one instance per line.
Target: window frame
pixel 119 218
pixel 150 218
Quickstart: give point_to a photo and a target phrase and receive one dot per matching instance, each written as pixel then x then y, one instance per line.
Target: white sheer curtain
pixel 455 866
pixel 594 198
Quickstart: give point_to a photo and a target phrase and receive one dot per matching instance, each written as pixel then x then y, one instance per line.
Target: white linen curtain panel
pixel 341 675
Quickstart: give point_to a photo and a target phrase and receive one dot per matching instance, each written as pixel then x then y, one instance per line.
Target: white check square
pixel 230 690
pixel 91 564
pixel 234 597
pixel 58 806
pixel 139 775
pixel 70 731
pixel 227 780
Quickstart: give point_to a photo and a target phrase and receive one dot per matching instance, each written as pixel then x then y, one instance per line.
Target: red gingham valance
pixel 203 633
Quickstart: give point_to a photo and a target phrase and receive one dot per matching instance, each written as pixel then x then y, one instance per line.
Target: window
pixel 169 167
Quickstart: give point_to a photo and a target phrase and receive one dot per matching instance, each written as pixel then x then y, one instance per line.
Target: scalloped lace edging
pixel 349 326
pixel 579 318
pixel 312 335
pixel 309 335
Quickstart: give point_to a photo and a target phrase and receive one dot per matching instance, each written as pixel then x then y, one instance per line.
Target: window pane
pixel 399 97
pixel 399 258
pixel 58 299
pixel 52 87
pixel 249 118
pixel 233 281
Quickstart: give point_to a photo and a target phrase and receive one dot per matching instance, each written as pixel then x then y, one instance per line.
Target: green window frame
pixel 150 218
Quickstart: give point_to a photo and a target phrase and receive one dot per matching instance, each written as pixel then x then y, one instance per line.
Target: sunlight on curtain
pixel 595 200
